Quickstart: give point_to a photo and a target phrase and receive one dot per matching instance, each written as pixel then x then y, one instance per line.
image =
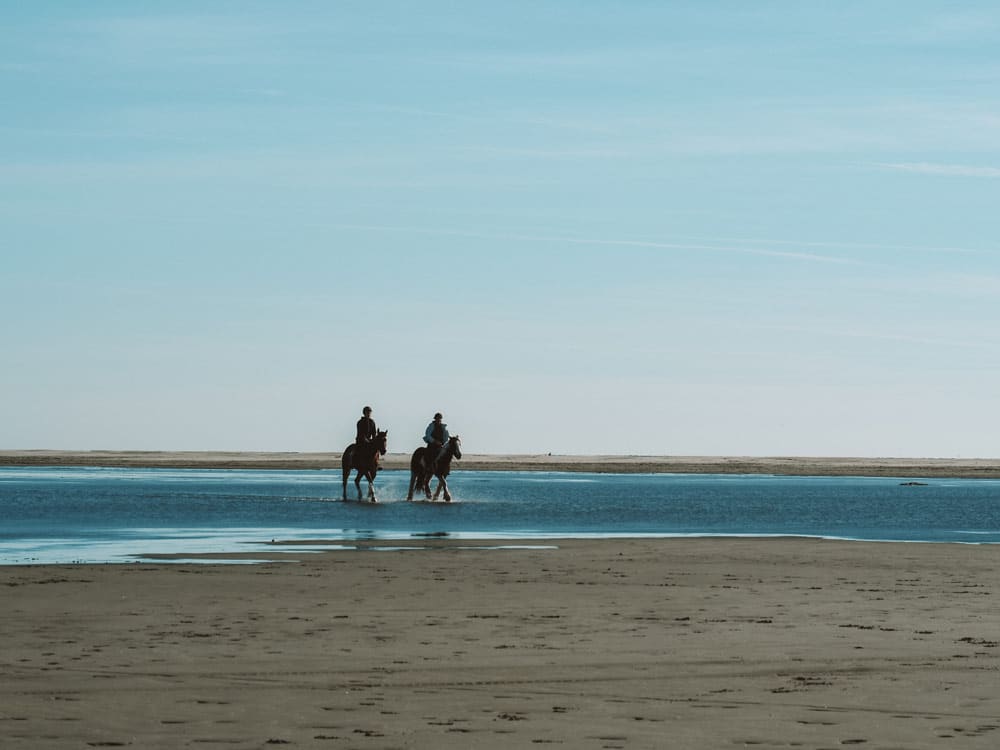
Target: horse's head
pixel 382 441
pixel 455 446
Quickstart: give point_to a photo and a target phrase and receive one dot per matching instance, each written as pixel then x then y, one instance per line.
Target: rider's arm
pixel 428 433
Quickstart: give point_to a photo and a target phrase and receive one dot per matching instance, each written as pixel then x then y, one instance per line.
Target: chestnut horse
pixel 364 458
pixel 420 478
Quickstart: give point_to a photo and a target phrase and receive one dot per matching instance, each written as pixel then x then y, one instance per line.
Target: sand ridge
pixel 986 468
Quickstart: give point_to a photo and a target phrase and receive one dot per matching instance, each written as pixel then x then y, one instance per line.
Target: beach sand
pixel 657 643
pixel 786 465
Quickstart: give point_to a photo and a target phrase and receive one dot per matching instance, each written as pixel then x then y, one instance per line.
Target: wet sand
pixel 687 643
pixel 787 465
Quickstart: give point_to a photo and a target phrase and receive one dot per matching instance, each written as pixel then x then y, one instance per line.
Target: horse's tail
pixel 416 472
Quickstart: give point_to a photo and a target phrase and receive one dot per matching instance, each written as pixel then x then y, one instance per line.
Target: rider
pixel 436 435
pixel 366 429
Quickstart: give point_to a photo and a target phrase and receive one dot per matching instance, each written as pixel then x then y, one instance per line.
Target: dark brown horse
pixel 364 458
pixel 420 477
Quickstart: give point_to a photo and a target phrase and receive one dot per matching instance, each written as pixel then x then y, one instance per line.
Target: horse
pixel 364 458
pixel 420 478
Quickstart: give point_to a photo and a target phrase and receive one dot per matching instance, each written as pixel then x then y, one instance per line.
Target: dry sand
pixel 788 465
pixel 669 643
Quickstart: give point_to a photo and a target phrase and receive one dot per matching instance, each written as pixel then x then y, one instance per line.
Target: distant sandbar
pixel 979 468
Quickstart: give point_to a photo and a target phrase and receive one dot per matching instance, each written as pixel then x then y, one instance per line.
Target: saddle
pixel 362 453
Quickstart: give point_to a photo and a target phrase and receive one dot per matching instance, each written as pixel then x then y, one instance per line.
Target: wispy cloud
pixel 553 153
pixel 942 170
pixel 901 338
pixel 555 239
pixel 577 121
pixel 957 285
pixel 701 248
pixel 840 245
pixel 165 40
pixel 951 27
pixel 741 245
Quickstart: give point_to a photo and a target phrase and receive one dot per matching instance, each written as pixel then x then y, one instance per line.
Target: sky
pixel 682 228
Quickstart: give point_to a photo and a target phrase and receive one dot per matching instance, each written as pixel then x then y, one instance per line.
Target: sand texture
pixel 681 643
pixel 788 465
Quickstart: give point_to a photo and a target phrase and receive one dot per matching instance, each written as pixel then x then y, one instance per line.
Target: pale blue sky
pixel 642 227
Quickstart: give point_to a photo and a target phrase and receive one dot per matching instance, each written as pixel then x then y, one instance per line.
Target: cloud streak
pixel 942 170
pixel 857 246
pixel 901 338
pixel 555 239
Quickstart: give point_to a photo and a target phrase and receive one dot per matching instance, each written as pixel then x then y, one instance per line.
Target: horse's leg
pixel 347 473
pixel 437 490
pixel 413 481
pixel 371 486
pixel 447 495
pixel 357 483
pixel 429 474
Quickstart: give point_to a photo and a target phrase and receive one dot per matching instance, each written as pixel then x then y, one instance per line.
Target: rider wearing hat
pixel 436 435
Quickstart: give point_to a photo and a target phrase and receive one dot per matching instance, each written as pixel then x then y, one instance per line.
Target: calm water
pixel 115 515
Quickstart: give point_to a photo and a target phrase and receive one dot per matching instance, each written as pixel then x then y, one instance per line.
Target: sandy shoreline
pixel 592 644
pixel 787 465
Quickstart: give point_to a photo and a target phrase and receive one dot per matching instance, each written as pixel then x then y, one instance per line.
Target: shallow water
pixel 54 515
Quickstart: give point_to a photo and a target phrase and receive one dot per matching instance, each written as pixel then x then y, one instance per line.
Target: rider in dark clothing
pixel 366 429
pixel 436 435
